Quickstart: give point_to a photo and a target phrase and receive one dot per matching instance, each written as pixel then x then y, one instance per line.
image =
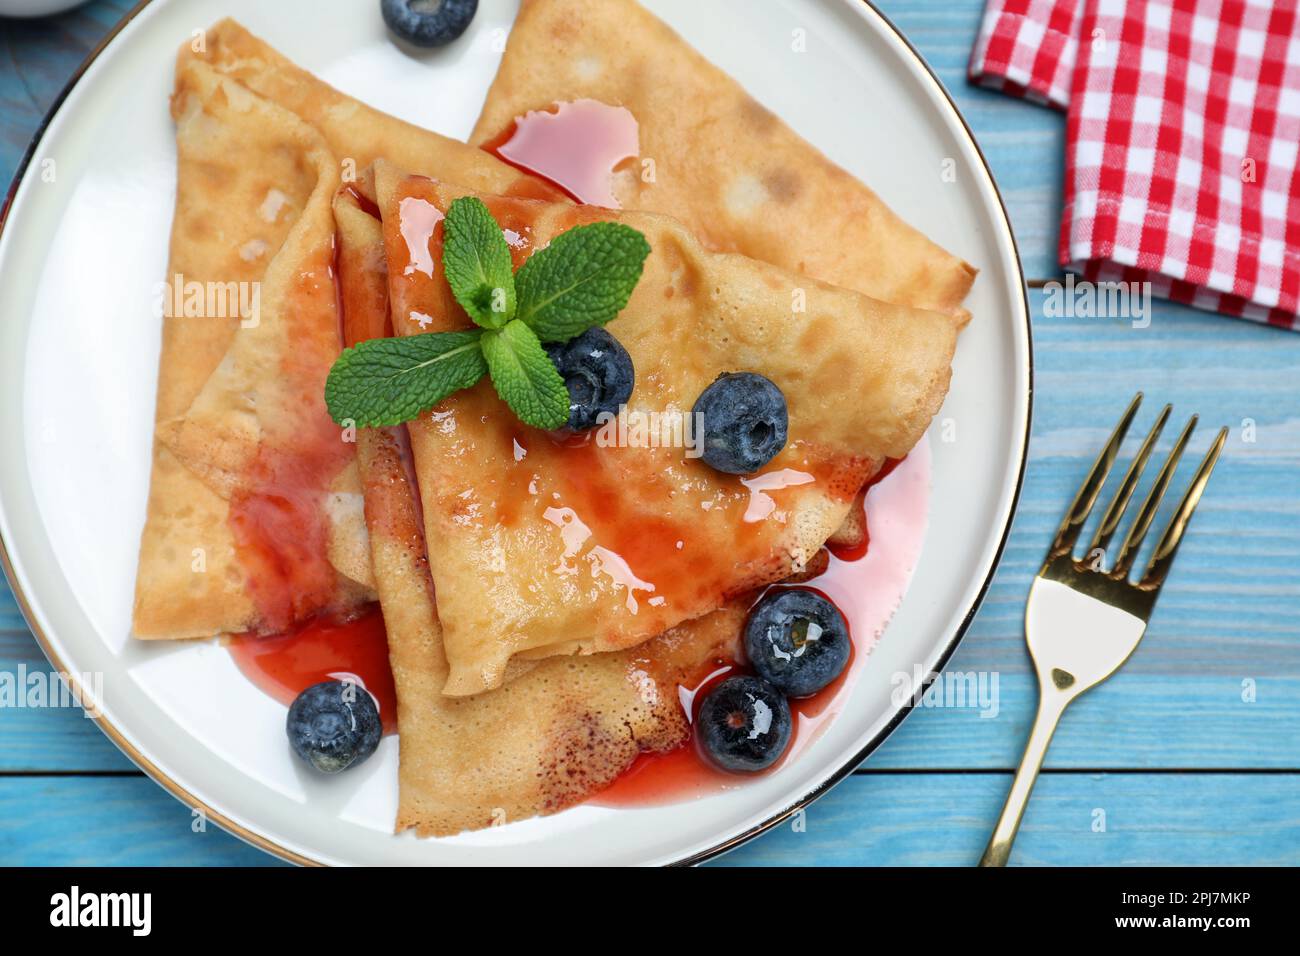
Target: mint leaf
pixel 477 262
pixel 582 279
pixel 384 382
pixel 525 377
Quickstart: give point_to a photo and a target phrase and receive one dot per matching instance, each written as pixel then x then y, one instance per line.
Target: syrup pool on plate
pixel 867 590
pixel 284 665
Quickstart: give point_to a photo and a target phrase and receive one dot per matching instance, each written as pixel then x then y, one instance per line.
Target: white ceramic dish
pixel 85 242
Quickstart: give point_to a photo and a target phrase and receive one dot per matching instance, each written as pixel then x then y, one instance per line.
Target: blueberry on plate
pixel 334 725
pixel 599 375
pixel 745 422
pixel 797 640
pixel 743 725
pixel 428 22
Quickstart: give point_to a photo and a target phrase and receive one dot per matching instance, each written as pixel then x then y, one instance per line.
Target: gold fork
pixel 1083 621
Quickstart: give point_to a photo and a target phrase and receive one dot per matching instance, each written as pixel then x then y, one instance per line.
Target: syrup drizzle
pixel 577 146
pixel 323 649
pixel 852 552
pixel 761 504
pixel 277 513
pixel 419 218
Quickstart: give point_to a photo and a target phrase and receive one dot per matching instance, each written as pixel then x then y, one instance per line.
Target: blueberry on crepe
pixel 598 373
pixel 797 640
pixel 743 725
pixel 745 422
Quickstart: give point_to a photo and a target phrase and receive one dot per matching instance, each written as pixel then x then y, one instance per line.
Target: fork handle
pixel 1051 705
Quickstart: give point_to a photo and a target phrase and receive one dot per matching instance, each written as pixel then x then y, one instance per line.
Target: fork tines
pixel 1163 557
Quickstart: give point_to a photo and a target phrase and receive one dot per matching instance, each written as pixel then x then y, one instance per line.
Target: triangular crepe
pixel 561 729
pixel 541 547
pixel 724 165
pixel 254 518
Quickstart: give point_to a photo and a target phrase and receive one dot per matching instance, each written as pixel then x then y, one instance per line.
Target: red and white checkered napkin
pixel 1181 143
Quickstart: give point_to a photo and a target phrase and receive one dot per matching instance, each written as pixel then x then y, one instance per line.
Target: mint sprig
pixel 584 278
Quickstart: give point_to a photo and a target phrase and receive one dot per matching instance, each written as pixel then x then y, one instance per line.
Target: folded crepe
pixel 561 729
pixel 724 165
pixel 541 547
pixel 254 517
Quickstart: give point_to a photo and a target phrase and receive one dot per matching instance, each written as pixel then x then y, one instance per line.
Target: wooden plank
pixel 117 821
pixel 875 819
pixel 1131 722
pixel 945 820
pixel 1230 604
pixel 49 738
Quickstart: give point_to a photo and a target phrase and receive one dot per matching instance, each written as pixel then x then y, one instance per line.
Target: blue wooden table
pixel 1190 756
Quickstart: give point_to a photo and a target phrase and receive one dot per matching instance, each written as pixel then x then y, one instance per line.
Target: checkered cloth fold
pixel 1181 141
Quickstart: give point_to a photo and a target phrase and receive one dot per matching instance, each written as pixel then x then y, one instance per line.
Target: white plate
pixel 85 242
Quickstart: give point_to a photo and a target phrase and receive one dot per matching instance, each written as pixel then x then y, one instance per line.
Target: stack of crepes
pixel 576 585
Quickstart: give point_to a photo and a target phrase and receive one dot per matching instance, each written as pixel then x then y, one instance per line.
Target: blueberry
pixel 428 22
pixel 743 725
pixel 598 372
pixel 334 725
pixel 797 640
pixel 745 422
